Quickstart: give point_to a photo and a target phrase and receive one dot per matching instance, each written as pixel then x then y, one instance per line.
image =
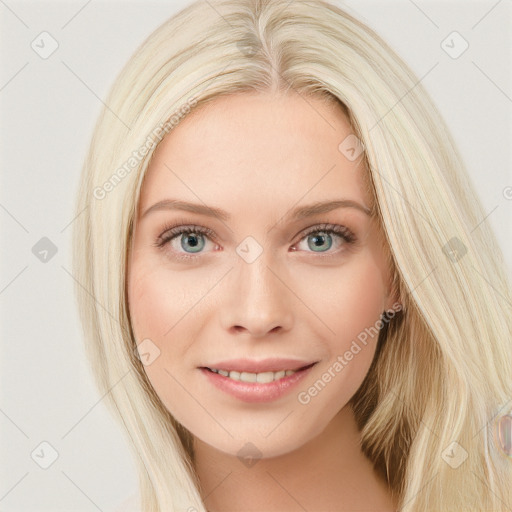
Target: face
pixel 253 275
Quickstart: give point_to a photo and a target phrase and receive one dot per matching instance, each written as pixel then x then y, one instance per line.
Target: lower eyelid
pixel 345 236
pixel 342 245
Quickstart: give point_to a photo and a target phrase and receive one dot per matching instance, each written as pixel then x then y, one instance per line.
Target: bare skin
pixel 258 157
pixel 329 473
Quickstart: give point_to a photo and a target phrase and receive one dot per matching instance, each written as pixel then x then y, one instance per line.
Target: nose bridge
pixel 257 280
pixel 260 300
pixel 254 263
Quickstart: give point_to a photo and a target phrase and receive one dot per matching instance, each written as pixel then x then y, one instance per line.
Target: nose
pixel 259 301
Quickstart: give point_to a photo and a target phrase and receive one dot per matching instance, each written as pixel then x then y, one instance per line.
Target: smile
pixel 255 387
pixel 263 377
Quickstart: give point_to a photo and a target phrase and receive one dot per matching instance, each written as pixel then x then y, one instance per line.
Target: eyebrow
pixel 298 213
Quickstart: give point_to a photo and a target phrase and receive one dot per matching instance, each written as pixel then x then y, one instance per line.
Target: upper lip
pixel 263 365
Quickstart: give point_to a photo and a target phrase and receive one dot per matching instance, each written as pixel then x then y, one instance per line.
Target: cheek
pixel 160 300
pixel 166 308
pixel 150 304
pixel 350 298
pixel 361 296
pixel 352 309
pixel 156 306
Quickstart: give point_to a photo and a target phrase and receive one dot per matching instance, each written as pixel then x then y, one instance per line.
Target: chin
pixel 260 442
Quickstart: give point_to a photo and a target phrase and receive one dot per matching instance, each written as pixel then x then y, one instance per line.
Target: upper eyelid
pixel 210 233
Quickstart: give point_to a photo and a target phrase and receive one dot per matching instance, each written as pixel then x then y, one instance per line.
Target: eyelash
pixel 174 230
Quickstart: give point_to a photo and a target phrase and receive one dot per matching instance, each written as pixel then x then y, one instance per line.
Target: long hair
pixel 442 373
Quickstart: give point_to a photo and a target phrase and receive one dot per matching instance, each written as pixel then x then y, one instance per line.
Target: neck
pixel 330 472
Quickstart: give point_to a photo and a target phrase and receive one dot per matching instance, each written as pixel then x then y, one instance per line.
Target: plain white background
pixel 48 109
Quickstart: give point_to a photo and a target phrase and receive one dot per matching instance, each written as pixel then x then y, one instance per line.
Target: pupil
pixel 191 242
pixel 319 241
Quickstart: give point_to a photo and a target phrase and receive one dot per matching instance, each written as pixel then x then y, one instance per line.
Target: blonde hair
pixel 442 371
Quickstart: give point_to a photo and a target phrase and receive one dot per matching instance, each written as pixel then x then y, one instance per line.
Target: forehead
pixel 255 150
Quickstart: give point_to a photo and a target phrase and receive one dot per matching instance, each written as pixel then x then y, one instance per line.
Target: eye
pixel 322 240
pixel 187 247
pixel 193 243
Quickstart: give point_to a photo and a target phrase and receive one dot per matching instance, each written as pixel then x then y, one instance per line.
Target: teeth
pixel 263 377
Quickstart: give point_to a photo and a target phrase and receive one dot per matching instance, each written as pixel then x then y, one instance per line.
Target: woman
pixel 251 367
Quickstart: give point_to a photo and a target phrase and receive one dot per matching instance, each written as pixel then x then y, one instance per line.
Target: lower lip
pixel 253 391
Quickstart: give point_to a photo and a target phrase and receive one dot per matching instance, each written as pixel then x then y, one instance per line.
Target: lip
pixel 264 365
pixel 254 392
